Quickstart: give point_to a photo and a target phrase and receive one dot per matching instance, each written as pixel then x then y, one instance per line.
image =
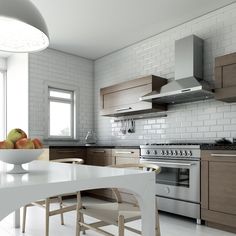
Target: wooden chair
pixel 45 204
pixel 118 213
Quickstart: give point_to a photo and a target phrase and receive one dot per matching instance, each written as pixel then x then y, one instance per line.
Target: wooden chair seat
pixel 110 212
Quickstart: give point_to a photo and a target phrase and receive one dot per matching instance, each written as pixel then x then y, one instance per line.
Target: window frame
pixel 73 101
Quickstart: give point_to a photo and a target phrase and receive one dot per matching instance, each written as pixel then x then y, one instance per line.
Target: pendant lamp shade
pixel 22 27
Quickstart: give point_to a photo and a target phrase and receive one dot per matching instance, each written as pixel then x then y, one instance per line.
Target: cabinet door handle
pixel 124 152
pixel 124 109
pixel 65 151
pixel 102 151
pixel 222 155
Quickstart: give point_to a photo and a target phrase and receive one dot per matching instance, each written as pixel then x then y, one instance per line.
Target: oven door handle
pixel 172 163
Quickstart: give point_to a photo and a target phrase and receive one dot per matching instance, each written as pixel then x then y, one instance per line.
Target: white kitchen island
pixel 46 179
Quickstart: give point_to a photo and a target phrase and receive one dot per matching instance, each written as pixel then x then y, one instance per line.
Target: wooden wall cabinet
pixel 123 98
pixel 225 78
pixel 218 189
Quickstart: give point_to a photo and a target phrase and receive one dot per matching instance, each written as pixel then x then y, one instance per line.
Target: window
pixel 2 106
pixel 61 113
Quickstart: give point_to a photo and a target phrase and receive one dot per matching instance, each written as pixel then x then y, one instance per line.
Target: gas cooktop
pixel 177 144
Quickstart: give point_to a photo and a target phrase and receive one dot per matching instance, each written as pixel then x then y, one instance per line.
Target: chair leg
pixel 61 206
pixel 82 220
pixel 121 225
pixel 158 233
pixel 78 226
pixel 78 215
pixel 24 218
pixel 47 206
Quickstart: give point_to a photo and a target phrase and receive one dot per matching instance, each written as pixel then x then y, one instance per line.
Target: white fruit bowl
pixel 17 157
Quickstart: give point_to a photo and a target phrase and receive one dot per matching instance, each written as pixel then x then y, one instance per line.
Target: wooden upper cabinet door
pixel 127 97
pixel 225 78
pixel 222 187
pixel 229 75
pixel 124 98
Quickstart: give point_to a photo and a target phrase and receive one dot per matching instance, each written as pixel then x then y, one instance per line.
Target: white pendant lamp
pixel 22 27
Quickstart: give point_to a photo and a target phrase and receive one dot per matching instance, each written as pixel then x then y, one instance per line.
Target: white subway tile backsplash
pixel 217 128
pixel 204 120
pixel 223 121
pixel 147 126
pixel 57 67
pixel 209 122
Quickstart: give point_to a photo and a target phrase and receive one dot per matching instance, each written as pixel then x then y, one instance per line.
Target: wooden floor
pixel 171 225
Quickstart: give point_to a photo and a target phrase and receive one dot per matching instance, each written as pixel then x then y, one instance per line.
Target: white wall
pixel 207 120
pixel 51 66
pixel 3 67
pixel 3 63
pixel 17 92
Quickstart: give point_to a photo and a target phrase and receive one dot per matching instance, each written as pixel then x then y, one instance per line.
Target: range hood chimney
pixel 188 85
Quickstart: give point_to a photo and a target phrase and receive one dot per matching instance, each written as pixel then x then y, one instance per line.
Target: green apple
pixel 16 134
pixel 6 144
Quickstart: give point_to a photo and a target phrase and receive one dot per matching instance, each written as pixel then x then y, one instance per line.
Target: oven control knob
pixel 189 153
pixel 167 189
pixel 166 152
pixel 170 152
pixel 154 152
pixel 147 152
pixel 175 153
pixel 184 153
pixel 180 153
pixel 162 152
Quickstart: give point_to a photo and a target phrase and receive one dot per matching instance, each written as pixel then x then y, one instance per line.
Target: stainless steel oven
pixel 178 183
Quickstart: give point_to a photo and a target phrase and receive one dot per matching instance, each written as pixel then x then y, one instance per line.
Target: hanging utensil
pixel 129 126
pixel 133 126
pixel 123 127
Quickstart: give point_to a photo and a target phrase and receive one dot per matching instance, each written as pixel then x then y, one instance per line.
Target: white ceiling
pixel 94 28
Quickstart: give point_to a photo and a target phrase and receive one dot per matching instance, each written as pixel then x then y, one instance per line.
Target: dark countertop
pixel 94 146
pixel 205 146
pixel 213 146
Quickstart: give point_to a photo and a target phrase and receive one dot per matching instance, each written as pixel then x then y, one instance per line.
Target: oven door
pixel 178 179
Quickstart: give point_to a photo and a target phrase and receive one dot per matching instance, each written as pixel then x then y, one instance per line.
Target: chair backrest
pixel 141 166
pixel 70 160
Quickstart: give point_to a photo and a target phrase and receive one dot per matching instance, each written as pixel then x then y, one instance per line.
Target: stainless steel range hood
pixel 188 85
